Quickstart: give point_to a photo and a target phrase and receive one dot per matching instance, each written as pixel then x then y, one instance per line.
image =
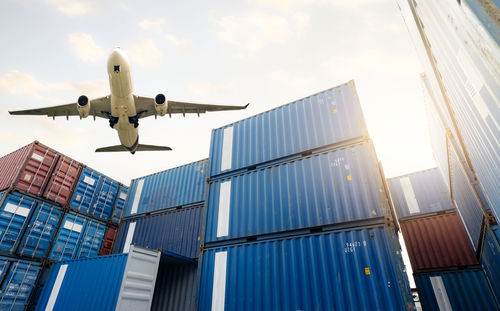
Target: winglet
pixel 246 106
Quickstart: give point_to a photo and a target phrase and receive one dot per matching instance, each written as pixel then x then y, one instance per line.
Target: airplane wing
pixel 145 107
pixel 99 107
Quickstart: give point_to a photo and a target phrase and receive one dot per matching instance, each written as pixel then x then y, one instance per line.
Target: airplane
pixel 123 108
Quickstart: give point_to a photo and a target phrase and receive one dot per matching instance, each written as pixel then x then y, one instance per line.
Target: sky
pixel 265 52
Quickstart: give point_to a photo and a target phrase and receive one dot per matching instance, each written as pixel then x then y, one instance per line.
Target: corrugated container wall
pixel 109 241
pixel 329 117
pixel 40 231
pixel 175 287
pixel 465 198
pixel 455 290
pixel 357 269
pixel 179 186
pixel 490 258
pixel 437 242
pixel 64 177
pixel 119 204
pixel 333 187
pixel 28 169
pixel 116 282
pixel 78 237
pixel 175 232
pixel 17 279
pixel 420 193
pixel 467 59
pixel 94 194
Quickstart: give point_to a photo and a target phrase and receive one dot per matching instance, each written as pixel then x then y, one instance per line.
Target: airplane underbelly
pixel 128 135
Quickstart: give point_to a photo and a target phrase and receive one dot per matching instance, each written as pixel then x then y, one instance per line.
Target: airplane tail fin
pixel 140 147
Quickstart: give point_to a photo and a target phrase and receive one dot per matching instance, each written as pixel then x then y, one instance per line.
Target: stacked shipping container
pixel 37 185
pixel 297 197
pixel 441 255
pixel 459 45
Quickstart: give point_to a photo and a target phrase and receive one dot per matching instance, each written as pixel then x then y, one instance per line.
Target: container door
pixel 14 217
pixel 18 285
pixel 60 187
pixel 119 205
pixel 37 170
pixel 102 206
pixel 68 238
pixel 85 190
pixel 92 239
pixel 40 231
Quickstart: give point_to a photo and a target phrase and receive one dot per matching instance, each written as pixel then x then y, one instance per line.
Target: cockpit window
pixel 117 68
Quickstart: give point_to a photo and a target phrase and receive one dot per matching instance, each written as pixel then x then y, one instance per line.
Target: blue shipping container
pixel 179 186
pixel 420 193
pixel 455 290
pixel 119 204
pixel 333 187
pixel 466 57
pixel 175 232
pixel 115 282
pixel 329 117
pixel 15 211
pixel 94 194
pixel 175 287
pixel 465 198
pixel 40 231
pixel 91 241
pixel 490 258
pixel 78 237
pixel 18 279
pixel 357 269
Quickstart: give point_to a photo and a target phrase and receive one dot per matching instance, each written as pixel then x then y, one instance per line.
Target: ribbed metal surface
pixel 119 204
pixel 91 241
pixel 327 188
pixel 490 258
pixel 99 278
pixel 464 197
pixel 467 59
pixel 60 186
pixel 116 282
pixel 455 290
pixel 40 231
pixel 358 269
pixel 94 194
pixel 437 242
pixel 175 287
pixel 420 193
pixel 109 241
pixel 437 131
pixel 18 279
pixel 176 232
pixel 325 118
pixel 68 238
pixel 175 187
pixel 15 211
pixel 28 169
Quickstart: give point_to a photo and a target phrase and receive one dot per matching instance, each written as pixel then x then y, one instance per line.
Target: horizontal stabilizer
pixel 120 148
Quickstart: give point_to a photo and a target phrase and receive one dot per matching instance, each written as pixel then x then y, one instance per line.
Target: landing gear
pixel 112 121
pixel 134 120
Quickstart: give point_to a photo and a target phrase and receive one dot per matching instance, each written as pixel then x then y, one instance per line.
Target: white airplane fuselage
pixel 122 99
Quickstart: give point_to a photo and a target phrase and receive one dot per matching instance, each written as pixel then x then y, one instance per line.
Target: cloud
pixel 291 80
pixel 15 82
pixel 86 48
pixel 145 53
pixel 207 89
pixel 155 25
pixel 256 30
pixel 184 45
pixel 73 7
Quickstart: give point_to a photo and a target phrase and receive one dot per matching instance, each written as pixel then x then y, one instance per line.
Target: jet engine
pixel 83 106
pixel 161 104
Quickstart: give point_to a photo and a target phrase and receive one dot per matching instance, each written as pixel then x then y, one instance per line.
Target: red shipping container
pixel 109 241
pixel 61 184
pixel 437 242
pixel 28 169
